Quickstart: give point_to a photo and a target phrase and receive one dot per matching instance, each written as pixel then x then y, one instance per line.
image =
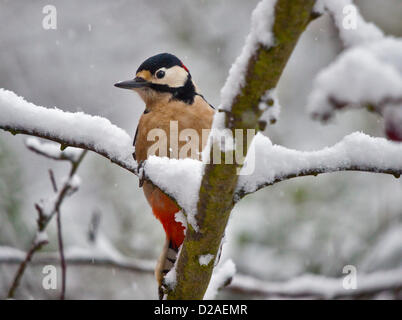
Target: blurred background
pixel 306 225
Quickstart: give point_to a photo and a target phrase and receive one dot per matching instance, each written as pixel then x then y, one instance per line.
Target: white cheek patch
pixel 174 77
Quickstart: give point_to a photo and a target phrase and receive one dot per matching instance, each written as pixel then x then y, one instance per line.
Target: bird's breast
pixel 174 130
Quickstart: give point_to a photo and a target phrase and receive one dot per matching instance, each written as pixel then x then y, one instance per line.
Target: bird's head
pixel 161 76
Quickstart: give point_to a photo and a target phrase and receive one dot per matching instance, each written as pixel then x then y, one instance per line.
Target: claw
pixel 140 173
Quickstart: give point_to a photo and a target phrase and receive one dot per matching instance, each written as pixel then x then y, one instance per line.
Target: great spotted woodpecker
pixel 171 97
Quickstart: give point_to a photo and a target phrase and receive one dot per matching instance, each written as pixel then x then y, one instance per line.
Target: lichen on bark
pixel 216 195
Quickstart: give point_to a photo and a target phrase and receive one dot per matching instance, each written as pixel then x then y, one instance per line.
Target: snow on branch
pixel 275 28
pixel 52 150
pixel 76 129
pixel 262 20
pixel 319 287
pixel 222 277
pixel 305 286
pixel 356 152
pixel 47 208
pixel 367 74
pixel 274 163
pixel 178 178
pixel 353 29
pixel 79 257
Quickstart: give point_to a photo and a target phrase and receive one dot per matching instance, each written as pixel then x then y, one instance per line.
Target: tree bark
pixel 216 196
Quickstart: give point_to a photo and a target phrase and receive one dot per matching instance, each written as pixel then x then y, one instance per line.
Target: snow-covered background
pixel 313 225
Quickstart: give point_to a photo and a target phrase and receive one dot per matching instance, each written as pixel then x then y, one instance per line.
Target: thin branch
pixel 364 33
pixel 44 218
pixel 319 287
pixel 356 152
pixel 96 134
pixel 60 241
pixel 315 172
pixel 62 257
pixel 335 89
pixel 303 287
pixel 53 181
pixel 23 264
pixel 123 263
pixel 275 163
pixel 67 189
pixel 335 104
pixel 76 144
pixel 74 166
pixel 52 150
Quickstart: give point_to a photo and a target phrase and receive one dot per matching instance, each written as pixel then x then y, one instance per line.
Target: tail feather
pixel 166 262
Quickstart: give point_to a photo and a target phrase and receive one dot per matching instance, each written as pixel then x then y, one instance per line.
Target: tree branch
pixel 45 214
pixel 75 131
pixel 364 32
pixel 356 152
pixel 52 150
pixel 303 287
pixel 366 75
pixel 36 246
pixel 96 134
pixel 60 240
pixel 13 256
pixel 276 28
pixel 62 257
pixel 319 287
pixel 257 70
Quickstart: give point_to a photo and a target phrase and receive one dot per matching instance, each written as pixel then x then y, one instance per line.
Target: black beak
pixel 130 84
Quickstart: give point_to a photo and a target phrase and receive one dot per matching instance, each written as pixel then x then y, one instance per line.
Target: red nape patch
pixel 185 68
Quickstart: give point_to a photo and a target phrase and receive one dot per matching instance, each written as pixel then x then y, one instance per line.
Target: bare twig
pixel 319 287
pixel 20 272
pixel 62 258
pixel 60 241
pixel 74 167
pixel 51 150
pixel 375 107
pixel 43 220
pixel 123 263
pixel 53 180
pixel 67 189
pixel 304 287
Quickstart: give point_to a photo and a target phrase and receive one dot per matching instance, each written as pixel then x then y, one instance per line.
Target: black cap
pixel 161 60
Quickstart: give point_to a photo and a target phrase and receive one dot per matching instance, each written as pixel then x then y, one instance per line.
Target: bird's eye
pixel 160 74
